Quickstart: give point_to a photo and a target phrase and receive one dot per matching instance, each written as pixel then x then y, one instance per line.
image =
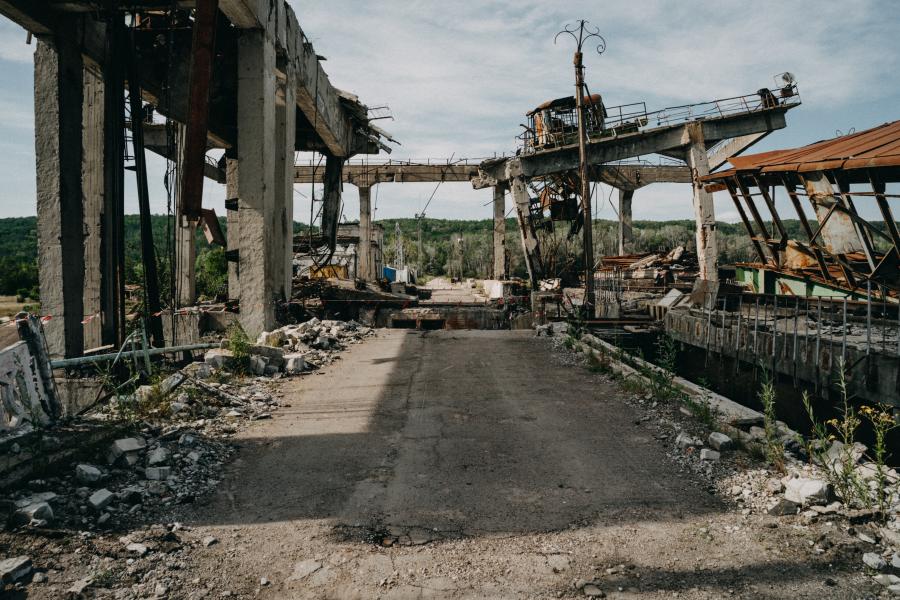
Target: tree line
pixel 457 248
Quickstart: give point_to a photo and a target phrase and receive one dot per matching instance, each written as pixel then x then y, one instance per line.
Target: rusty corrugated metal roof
pixel 876 147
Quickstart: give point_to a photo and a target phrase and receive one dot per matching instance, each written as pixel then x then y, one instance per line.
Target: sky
pixel 459 76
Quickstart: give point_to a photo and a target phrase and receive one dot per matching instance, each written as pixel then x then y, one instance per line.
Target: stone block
pixel 124 447
pixel 159 456
pixel 14 569
pixel 219 358
pixel 807 491
pixel 709 455
pixel 88 474
pixel 101 499
pixel 720 441
pixel 294 364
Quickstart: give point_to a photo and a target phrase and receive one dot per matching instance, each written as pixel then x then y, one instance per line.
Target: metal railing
pixel 562 128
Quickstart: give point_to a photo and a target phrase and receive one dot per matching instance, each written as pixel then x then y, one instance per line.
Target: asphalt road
pixel 473 464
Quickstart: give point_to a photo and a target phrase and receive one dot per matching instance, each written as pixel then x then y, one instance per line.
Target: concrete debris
pixel 874 561
pixel 711 455
pixel 158 456
pixel 101 499
pixel 686 441
pixel 136 548
pixel 14 569
pixel 125 449
pixel 720 441
pixel 808 491
pixel 88 474
pixel 784 507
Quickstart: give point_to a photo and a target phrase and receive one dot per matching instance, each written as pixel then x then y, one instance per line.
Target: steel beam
pixel 197 126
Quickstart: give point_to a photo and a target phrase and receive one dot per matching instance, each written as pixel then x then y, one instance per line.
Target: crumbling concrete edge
pixel 726 410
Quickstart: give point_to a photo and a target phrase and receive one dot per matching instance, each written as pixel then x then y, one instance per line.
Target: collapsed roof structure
pixel 842 251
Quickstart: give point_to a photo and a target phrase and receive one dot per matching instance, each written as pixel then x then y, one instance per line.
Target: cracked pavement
pixel 477 464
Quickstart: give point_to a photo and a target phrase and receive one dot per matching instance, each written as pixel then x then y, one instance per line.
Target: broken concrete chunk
pixel 686 441
pixel 807 491
pixel 14 569
pixel 124 447
pixel 101 499
pixel 219 358
pixel 34 513
pixel 198 370
pixel 257 365
pixel 874 561
pixel 838 452
pixel 159 456
pixel 158 473
pixel 135 548
pixel 275 338
pixel 886 579
pixel 272 355
pixel 709 455
pixel 171 382
pixel 209 541
pixel 784 507
pixel 294 364
pixel 88 474
pixel 720 441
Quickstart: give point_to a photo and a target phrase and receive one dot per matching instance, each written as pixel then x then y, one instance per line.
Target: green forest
pixel 449 247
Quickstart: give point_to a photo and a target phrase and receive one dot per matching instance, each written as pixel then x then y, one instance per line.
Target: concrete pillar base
pixel 499 269
pixel 626 232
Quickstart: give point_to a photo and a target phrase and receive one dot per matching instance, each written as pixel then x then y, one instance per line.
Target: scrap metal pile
pixel 675 269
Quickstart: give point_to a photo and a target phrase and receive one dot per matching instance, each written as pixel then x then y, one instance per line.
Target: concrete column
pixel 499 231
pixel 626 233
pixel 185 236
pixel 58 98
pixel 93 187
pixel 256 184
pixel 232 221
pixel 530 245
pixel 704 210
pixel 365 234
pixel 838 234
pixel 283 210
pixel 185 260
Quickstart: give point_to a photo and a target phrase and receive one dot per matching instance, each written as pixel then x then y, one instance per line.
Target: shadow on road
pixel 463 432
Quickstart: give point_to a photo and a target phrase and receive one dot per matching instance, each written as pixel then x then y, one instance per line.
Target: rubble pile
pixel 177 443
pixel 123 483
pixel 293 349
pixel 803 494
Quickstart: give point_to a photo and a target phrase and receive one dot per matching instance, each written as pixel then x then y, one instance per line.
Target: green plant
pixel 239 344
pixel 882 422
pixel 662 378
pixel 840 466
pixel 773 447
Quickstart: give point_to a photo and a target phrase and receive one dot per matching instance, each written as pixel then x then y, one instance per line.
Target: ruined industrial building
pixel 262 394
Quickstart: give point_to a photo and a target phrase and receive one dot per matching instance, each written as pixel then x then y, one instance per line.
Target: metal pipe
pixel 868 316
pixel 818 337
pixel 844 343
pixel 86 360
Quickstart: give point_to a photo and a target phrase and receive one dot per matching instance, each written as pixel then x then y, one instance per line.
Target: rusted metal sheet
pixel 875 147
pixel 202 50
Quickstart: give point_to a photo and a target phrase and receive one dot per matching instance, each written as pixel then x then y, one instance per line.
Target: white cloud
pixel 460 75
pixel 12 43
